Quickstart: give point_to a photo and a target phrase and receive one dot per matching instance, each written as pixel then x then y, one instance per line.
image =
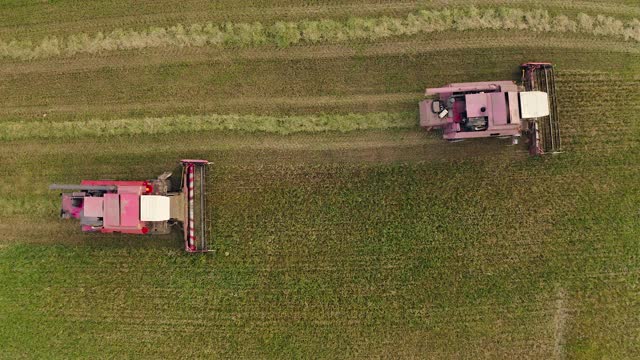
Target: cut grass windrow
pixel 283 34
pixel 282 125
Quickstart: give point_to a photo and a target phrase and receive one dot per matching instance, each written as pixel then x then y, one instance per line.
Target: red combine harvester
pixel 498 109
pixel 143 207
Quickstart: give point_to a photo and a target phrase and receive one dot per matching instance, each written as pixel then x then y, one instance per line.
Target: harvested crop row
pixel 284 34
pixel 181 124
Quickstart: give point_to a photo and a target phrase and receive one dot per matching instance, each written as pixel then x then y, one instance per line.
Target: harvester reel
pixel 544 132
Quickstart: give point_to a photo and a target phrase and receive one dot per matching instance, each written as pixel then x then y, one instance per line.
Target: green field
pixel 340 229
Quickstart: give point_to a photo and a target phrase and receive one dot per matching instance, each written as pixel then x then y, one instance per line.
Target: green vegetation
pixel 474 252
pixel 284 34
pixel 339 228
pixel 190 124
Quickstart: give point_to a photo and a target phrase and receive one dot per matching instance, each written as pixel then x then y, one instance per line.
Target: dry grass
pixel 284 34
pixel 283 125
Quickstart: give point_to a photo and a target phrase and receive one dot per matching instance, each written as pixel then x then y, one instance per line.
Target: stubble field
pixel 340 228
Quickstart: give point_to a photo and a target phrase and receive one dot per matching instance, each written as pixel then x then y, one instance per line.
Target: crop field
pixel 340 229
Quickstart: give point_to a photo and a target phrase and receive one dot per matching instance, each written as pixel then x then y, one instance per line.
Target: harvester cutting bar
pixel 196 207
pixel 545 131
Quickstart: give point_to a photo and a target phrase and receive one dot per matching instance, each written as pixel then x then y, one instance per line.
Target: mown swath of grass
pixel 248 123
pixel 284 34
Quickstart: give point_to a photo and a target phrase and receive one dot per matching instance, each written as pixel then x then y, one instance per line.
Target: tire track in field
pixel 249 102
pixel 252 105
pixel 560 323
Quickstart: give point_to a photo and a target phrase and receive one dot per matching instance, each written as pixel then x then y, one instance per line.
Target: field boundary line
pixel 560 323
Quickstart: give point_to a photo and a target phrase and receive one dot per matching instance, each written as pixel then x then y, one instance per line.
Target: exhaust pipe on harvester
pixel 544 132
pixel 83 187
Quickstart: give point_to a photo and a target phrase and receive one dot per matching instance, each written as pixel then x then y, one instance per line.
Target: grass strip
pixel 19 130
pixel 283 34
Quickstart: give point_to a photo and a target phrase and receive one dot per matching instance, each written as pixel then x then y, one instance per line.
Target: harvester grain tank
pixel 143 207
pixel 498 109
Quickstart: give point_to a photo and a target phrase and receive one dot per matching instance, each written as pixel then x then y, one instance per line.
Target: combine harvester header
pixel 143 207
pixel 544 133
pixel 498 109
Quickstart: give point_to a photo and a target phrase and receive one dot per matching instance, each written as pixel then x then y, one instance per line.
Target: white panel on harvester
pixel 155 208
pixel 534 104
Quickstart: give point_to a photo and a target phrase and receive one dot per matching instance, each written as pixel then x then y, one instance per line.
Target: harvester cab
pixel 143 207
pixel 498 109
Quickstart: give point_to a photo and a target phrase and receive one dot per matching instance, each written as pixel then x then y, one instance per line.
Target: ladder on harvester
pixel 544 132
